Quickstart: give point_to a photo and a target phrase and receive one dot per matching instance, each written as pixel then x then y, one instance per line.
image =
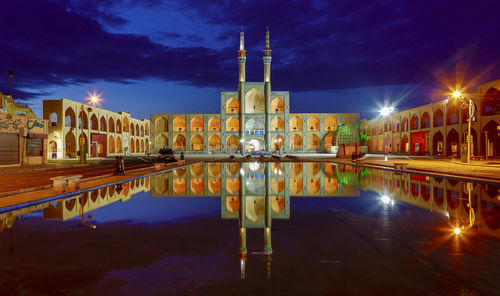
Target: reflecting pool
pixel 259 228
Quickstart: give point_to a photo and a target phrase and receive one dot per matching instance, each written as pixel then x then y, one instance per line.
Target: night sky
pixel 153 56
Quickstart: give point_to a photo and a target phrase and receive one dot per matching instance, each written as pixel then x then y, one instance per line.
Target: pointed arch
pixel 233 143
pixel 93 123
pixel 132 129
pixel 103 124
pixel 278 141
pixel 111 125
pixel 254 101
pixel 142 146
pixel 296 143
pixel 179 143
pixel 330 123
pixel 490 103
pixel 132 146
pixel 313 142
pixel 70 144
pixel 277 124
pixel 452 143
pixel 437 118
pixel 414 122
pixel 119 148
pixel 118 126
pixel 425 120
pixel 196 124
pixel 179 124
pixel 232 106
pixel 232 124
pixel 295 123
pixel 214 142
pixel 161 141
pixel 161 124
pixel 277 105
pixel 197 143
pixel 111 144
pixel 70 117
pixel 452 115
pixel 214 124
pixel 312 123
pixel 125 125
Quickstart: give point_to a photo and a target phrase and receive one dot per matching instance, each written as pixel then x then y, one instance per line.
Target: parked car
pixel 166 154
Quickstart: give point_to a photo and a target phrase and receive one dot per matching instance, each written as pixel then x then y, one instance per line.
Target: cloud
pixel 318 45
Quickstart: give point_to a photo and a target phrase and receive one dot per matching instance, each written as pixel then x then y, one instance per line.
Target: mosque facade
pixel 256 118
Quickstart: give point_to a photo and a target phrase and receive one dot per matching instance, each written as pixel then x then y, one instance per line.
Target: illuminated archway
pixel 254 101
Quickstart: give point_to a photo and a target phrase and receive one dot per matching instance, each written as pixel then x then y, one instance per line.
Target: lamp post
pixel 83 145
pixel 458 95
pixel 386 111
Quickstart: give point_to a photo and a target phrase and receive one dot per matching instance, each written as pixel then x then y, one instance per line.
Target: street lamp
pixel 458 95
pixel 93 100
pixel 386 111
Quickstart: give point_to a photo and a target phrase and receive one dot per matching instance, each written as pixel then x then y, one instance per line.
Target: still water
pixel 293 228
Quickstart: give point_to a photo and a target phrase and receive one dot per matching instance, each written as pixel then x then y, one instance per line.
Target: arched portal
pixel 414 122
pixel 161 141
pixel 214 143
pixel 277 124
pixel 93 123
pixel 330 123
pixel 125 125
pixel 277 105
pixel 254 101
pixel 111 144
pixel 103 124
pixel 452 148
pixel 277 142
pixel 179 124
pixel 233 143
pixel 119 145
pixel 296 143
pixel 118 126
pixel 111 125
pixel 132 146
pixel 312 123
pixel 69 116
pixel 405 146
pixel 197 143
pixel 214 124
pixel 232 124
pixel 53 149
pixel 295 123
pixel 437 118
pixel 437 143
pixel 425 121
pixel 161 124
pixel 180 143
pixel 313 142
pixel 232 106
pixel 329 141
pixel 196 124
pixel 490 139
pixel 452 115
pixel 490 104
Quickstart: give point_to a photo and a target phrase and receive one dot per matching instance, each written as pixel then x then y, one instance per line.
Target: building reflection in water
pixel 267 190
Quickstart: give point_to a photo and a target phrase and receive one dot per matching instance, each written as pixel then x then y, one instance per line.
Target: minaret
pixel 268 249
pixel 242 58
pixel 267 89
pixel 243 230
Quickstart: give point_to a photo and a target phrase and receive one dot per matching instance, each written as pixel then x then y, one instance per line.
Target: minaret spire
pixel 267 88
pixel 242 39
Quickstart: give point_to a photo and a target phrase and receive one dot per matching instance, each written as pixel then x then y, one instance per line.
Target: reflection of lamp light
pixel 386 200
pixel 254 166
pixel 242 171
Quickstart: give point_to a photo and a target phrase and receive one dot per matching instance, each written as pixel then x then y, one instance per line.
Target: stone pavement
pixel 35 194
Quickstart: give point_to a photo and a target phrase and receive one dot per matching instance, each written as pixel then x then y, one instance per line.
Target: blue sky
pixel 176 57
